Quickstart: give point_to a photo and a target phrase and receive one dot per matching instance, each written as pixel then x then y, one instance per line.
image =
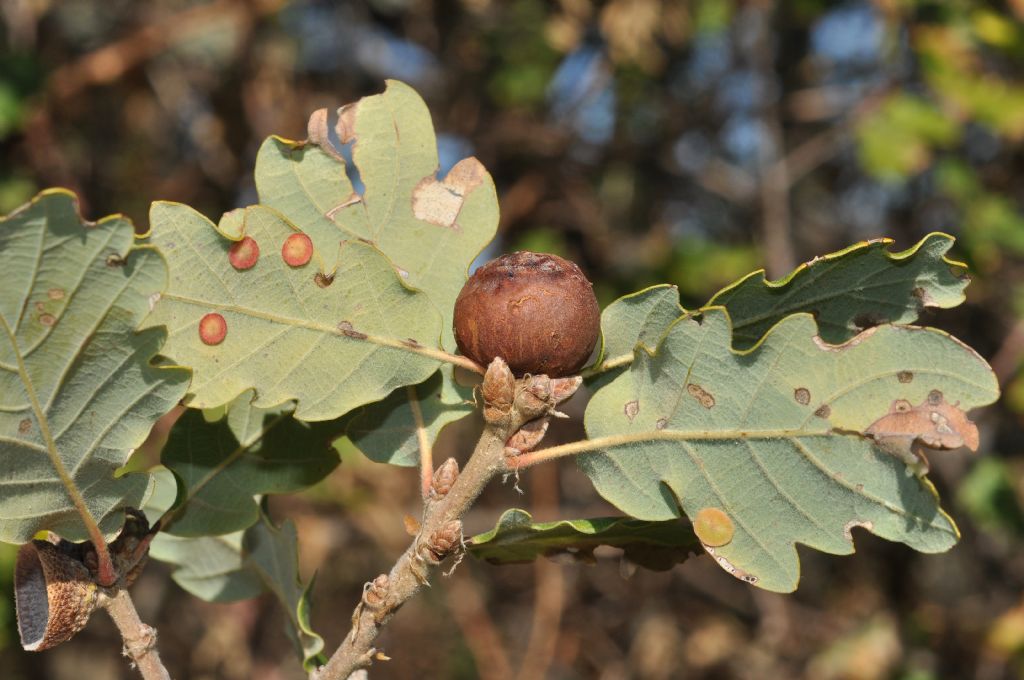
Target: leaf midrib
pixel 51 446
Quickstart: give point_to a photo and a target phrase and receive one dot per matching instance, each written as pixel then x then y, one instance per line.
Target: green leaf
pixel 774 437
pixel 864 285
pixel 640 317
pixel 273 554
pixel 212 568
pixel 388 431
pixel 77 390
pixel 242 565
pixel 330 339
pixel 431 228
pixel 516 538
pixel 222 465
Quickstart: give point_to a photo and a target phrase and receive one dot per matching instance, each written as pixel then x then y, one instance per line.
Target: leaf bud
pixel 498 390
pixel 444 478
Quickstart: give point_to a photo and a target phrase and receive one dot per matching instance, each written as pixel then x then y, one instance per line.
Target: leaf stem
pixel 526 460
pixel 426 452
pixel 139 639
pixel 410 572
pixel 608 364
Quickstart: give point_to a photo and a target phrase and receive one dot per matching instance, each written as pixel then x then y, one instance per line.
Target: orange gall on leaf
pixel 243 255
pixel 213 329
pixel 297 250
pixel 713 527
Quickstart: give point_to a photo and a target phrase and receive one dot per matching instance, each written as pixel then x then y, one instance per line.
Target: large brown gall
pixel 536 311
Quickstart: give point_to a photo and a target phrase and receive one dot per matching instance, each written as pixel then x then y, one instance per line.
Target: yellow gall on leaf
pixel 213 329
pixel 713 527
pixel 297 250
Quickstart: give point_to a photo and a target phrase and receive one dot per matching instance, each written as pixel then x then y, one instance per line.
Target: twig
pixel 139 639
pixel 441 518
pixel 508 405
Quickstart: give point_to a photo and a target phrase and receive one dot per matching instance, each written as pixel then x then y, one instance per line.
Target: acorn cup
pixel 54 595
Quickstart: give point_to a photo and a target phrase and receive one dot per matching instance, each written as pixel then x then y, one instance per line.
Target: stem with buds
pixel 509 405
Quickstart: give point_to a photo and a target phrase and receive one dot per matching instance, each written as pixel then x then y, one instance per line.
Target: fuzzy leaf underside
pixel 77 391
pixel 640 317
pixel 289 337
pixel 387 431
pixel 773 437
pixel 431 228
pixel 847 291
pixel 210 567
pixel 222 465
pixel 516 538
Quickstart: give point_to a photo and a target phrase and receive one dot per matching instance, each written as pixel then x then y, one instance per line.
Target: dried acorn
pixel 54 593
pixel 536 311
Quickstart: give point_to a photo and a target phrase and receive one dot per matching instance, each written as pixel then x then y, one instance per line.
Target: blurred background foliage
pixel 651 141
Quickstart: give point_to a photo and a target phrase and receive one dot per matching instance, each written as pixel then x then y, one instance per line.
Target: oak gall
pixel 536 311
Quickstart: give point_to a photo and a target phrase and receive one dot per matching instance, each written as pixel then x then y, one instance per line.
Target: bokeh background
pixel 650 141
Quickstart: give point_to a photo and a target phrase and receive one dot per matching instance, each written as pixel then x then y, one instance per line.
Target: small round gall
pixel 536 311
pixel 297 250
pixel 213 329
pixel 243 254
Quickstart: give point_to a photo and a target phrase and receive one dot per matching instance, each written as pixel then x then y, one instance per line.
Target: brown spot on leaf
pixel 323 280
pixel 24 426
pixel 631 409
pixel 824 411
pixel 706 399
pixel 244 254
pixel 213 329
pixel 934 423
pixel 661 424
pixel 297 250
pixel 905 377
pixel 55 293
pixel 412 343
pixel 346 329
pixel 440 202
pixel 115 260
pixel 802 396
pixel 713 527
pixel 47 319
